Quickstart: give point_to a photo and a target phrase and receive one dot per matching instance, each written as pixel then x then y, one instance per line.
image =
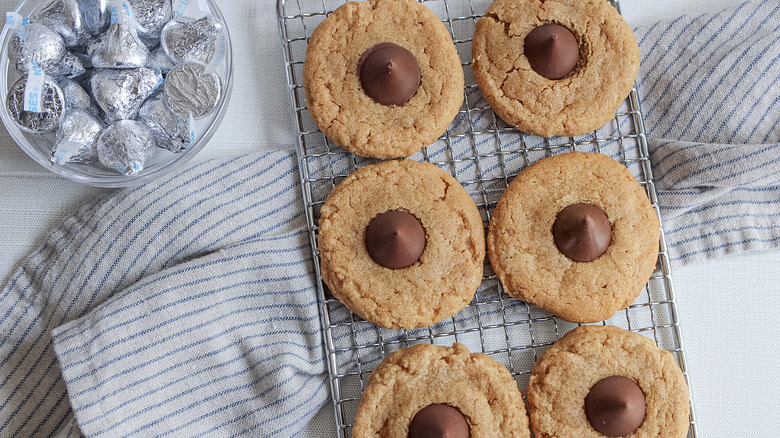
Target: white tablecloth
pixel 728 308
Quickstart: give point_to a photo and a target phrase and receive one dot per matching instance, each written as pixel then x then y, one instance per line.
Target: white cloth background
pixel 727 309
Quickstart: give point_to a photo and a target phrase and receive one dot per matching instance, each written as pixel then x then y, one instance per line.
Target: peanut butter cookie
pixel 427 390
pixel 382 77
pixel 601 381
pixel 575 234
pixel 401 244
pixel 554 67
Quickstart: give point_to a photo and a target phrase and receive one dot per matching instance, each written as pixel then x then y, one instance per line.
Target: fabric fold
pixel 709 97
pixel 135 257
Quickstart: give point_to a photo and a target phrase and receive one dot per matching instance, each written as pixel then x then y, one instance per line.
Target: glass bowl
pixel 162 162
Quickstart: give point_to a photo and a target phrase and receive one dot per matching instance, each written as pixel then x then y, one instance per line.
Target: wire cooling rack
pixel 483 153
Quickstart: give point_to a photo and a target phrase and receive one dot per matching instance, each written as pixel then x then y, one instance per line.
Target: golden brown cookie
pixel 436 285
pixel 583 100
pixel 527 259
pixel 409 380
pixel 336 98
pixel 568 372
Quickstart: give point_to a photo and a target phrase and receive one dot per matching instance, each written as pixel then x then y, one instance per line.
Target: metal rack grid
pixel 483 153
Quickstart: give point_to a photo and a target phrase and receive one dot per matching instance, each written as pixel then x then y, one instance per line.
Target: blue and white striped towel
pixel 186 307
pixel 710 95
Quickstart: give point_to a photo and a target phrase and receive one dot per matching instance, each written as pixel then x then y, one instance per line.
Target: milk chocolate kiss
pixel 389 74
pixel 615 406
pixel 395 239
pixel 552 50
pixel 439 421
pixel 582 232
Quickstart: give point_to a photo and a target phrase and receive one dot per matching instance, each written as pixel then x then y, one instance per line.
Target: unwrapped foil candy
pixel 120 93
pixel 171 131
pixel 51 102
pixel 76 140
pixel 125 146
pixel 186 40
pixel 189 90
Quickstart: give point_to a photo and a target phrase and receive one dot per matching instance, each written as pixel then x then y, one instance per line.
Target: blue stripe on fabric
pixel 668 47
pixel 260 233
pixel 722 218
pixel 305 417
pixel 666 73
pixel 183 232
pixel 107 330
pixel 77 328
pixel 316 392
pixel 65 289
pixel 183 348
pixel 708 75
pixel 177 318
pixel 35 413
pixel 729 71
pixel 768 175
pixel 197 359
pixel 730 162
pixel 27 376
pixel 293 200
pixel 724 231
pixel 41 336
pixel 734 108
pixel 768 134
pixel 159 230
pixel 692 158
pixel 649 31
pixel 281 357
pixel 171 415
pixel 725 245
pixel 675 150
pixel 722 204
pixel 764 93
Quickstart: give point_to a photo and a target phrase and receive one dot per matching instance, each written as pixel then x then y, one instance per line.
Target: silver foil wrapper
pixel 52 104
pixel 46 48
pixel 170 130
pixel 65 18
pixel 186 40
pixel 120 46
pixel 77 98
pixel 76 140
pixel 160 61
pixel 188 90
pixel 125 146
pixel 95 15
pixel 151 16
pixel 120 93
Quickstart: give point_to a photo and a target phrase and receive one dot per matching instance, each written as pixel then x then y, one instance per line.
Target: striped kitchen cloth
pixel 710 94
pixel 187 307
pixel 197 310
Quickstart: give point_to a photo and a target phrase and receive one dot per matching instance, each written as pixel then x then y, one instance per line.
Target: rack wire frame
pixel 483 153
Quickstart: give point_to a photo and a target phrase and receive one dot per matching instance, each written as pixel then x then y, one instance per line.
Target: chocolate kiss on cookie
pixel 439 421
pixel 395 239
pixel 615 406
pixel 552 50
pixel 389 74
pixel 582 232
